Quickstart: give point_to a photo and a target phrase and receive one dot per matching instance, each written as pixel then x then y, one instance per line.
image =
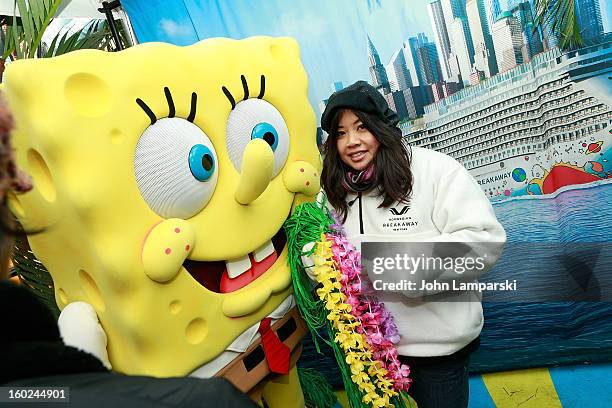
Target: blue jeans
pixel 442 384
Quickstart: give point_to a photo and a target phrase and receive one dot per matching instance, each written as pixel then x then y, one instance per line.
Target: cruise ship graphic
pixel 531 130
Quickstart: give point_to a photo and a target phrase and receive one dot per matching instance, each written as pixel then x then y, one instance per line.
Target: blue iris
pixel 266 131
pixel 201 162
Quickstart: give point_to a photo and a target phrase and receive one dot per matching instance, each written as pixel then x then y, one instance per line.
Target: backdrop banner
pixel 475 80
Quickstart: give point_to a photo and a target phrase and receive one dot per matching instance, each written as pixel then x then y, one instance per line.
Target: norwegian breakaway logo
pixel 403 211
pixel 493 179
pixel 399 221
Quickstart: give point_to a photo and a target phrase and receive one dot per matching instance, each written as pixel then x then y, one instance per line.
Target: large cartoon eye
pixel 176 168
pixel 266 131
pixel 257 119
pixel 201 162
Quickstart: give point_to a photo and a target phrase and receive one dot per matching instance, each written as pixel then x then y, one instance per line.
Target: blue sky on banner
pixel 331 34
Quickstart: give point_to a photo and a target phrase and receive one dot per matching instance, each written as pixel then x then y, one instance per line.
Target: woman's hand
pixel 308 261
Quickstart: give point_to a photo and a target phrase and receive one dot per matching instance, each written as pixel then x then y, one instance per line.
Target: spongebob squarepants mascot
pixel 163 176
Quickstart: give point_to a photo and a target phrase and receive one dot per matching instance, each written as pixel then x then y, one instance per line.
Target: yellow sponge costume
pixel 162 177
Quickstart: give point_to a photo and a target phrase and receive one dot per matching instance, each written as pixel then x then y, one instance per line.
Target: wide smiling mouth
pixel 357 154
pixel 232 275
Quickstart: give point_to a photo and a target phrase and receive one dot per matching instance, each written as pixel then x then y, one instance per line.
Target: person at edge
pixel 435 200
pixel 33 355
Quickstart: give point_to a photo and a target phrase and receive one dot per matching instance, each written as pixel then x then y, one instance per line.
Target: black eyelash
pixel 229 96
pixel 194 103
pixel 245 87
pixel 171 110
pixel 262 87
pixel 147 110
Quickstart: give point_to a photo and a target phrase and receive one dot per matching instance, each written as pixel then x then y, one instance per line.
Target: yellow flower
pixel 361 379
pixel 327 289
pixel 380 402
pixel 384 382
pixel 347 317
pixel 346 345
pixel 370 396
pixel 356 339
pixel 322 271
pixel 351 357
pixel 352 326
pixel 340 338
pixel 377 369
pixel 345 307
pixel 369 387
pixel 328 275
pixel 333 317
pixel 356 367
pixel 333 301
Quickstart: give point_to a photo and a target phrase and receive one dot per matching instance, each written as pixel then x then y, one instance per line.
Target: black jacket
pixel 32 354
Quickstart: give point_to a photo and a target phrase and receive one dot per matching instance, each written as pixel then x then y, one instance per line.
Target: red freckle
pixel 301 170
pixel 187 247
pixel 308 183
pixel 167 251
pixel 177 230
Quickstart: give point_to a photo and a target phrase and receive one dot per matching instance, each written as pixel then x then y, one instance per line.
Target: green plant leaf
pixel 17 36
pixel 49 52
pixel 558 17
pixel 94 35
pixel 37 11
pixel 47 19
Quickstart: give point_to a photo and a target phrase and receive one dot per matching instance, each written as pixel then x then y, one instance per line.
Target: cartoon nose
pixel 256 171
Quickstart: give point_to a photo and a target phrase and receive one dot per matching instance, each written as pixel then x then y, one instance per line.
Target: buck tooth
pixel 263 251
pixel 236 267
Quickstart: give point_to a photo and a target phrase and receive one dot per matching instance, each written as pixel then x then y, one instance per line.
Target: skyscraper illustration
pixel 588 13
pixel 429 65
pixel 531 36
pixel 484 52
pixel 410 53
pixel 459 34
pixel 493 10
pixel 377 70
pixel 397 71
pixel 508 41
pixel 436 17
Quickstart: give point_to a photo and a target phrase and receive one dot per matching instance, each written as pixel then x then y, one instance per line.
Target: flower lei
pixel 361 331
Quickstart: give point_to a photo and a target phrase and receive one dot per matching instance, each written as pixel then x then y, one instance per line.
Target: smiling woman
pixel 361 143
pixel 357 146
pixel 440 202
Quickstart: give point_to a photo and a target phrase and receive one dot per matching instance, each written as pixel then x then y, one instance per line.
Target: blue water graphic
pixel 576 215
pixel 530 334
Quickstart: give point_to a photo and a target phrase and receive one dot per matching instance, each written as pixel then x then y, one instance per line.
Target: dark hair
pixel 11 179
pixel 392 163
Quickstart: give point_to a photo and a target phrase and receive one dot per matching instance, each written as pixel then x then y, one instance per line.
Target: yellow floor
pixel 522 388
pixel 343 400
pixel 531 388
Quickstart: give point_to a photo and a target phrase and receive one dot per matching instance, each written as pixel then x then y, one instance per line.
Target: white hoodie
pixel 446 205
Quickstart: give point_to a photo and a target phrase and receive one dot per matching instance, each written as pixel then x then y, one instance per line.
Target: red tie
pixel 277 353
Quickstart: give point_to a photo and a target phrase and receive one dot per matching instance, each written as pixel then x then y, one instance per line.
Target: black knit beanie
pixel 360 96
